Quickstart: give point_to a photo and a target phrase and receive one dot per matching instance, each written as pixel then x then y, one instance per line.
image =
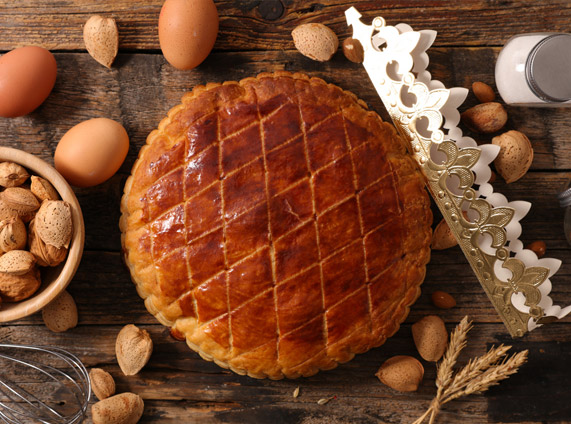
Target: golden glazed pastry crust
pixel 277 224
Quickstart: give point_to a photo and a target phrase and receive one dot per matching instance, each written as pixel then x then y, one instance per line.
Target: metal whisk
pixel 53 385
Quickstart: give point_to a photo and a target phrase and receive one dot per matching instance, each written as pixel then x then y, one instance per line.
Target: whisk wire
pixel 19 406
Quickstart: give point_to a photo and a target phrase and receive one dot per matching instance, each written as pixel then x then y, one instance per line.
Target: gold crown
pixel 485 224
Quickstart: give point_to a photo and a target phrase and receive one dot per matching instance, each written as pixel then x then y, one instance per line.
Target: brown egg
pixel 27 76
pixel 187 31
pixel 91 152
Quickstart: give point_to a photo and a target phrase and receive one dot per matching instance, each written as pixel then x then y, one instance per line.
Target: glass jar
pixel 535 70
pixel 565 202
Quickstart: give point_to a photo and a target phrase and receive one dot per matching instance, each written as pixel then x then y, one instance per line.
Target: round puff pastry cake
pixel 277 224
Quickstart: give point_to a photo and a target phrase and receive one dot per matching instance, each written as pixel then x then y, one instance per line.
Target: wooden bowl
pixel 54 279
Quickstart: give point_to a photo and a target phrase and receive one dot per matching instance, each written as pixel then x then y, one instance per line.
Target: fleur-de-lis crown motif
pixel 485 224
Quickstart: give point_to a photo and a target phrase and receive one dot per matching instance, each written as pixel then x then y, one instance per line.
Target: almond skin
pixel 12 174
pixel 430 337
pixel 133 349
pixel 21 201
pixel 125 408
pixel 483 92
pixel 102 383
pixel 353 50
pixel 315 41
pixel 42 189
pixel 515 157
pixel 14 288
pixel 442 238
pixel 12 234
pixel 538 247
pixel 485 118
pixel 443 300
pixel 101 38
pixel 61 314
pixel 53 223
pixel 46 254
pixel 402 373
pixel 17 262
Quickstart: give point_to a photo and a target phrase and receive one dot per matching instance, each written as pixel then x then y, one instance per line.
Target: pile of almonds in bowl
pixel 36 228
pixel 40 249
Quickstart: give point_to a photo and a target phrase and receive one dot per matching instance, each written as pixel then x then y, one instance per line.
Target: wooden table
pixel 254 36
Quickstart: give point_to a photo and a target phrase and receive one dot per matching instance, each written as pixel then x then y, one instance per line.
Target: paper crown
pixel 457 171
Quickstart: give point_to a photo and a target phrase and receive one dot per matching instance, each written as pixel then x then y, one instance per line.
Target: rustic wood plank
pixel 142 88
pixel 178 385
pixel 58 25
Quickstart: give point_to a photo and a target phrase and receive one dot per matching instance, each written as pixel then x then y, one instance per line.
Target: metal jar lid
pixel 548 68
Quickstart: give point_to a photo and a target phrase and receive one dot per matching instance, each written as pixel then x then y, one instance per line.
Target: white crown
pixel 485 224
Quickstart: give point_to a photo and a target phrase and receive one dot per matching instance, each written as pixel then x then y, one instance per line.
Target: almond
pixel 443 300
pixel 483 92
pixel 61 313
pixel 125 408
pixel 53 223
pixel 46 254
pixel 315 41
pixel 102 383
pixel 442 238
pixel 133 349
pixel 21 201
pixel 485 118
pixel 17 262
pixel 12 174
pixel 14 288
pixel 12 234
pixel 538 247
pixel 402 373
pixel 42 189
pixel 5 212
pixel 515 157
pixel 353 50
pixel 101 39
pixel 430 337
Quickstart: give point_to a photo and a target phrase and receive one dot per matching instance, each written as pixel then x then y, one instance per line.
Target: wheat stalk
pixel 477 376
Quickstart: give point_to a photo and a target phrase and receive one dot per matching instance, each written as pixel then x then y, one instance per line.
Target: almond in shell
pixel 5 212
pixel 53 223
pixel 42 189
pixel 430 337
pixel 402 373
pixel 101 38
pixel 17 262
pixel 125 408
pixel 12 174
pixel 515 157
pixel 12 234
pixel 14 288
pixel 61 313
pixel 21 201
pixel 315 41
pixel 485 118
pixel 133 349
pixel 46 254
pixel 102 383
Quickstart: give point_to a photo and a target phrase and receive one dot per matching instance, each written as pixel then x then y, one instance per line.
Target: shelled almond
pixel 31 217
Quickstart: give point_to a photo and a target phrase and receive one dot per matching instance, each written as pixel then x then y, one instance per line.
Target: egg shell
pixel 27 77
pixel 187 31
pixel 91 152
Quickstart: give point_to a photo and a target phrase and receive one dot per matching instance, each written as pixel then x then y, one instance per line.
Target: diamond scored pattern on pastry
pixel 278 232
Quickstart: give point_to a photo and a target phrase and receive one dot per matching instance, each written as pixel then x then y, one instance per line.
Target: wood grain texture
pixel 58 25
pixel 141 88
pixel 177 385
